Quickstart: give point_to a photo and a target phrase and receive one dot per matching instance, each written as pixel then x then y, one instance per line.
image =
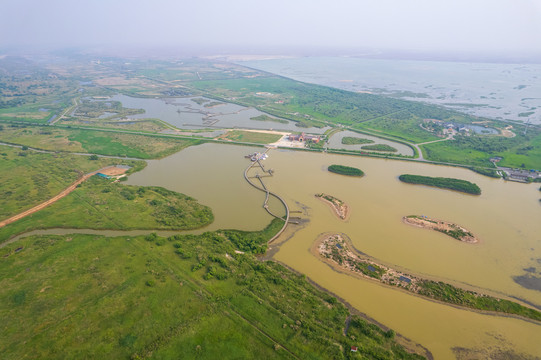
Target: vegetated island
pixel 340 208
pixel 443 183
pixel 350 140
pixel 338 251
pixel 453 230
pixel 345 170
pixel 264 117
pixel 379 147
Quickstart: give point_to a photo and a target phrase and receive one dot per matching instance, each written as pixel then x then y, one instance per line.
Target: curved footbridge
pixel 268 194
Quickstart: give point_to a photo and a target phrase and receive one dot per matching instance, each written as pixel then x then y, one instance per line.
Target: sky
pixel 495 26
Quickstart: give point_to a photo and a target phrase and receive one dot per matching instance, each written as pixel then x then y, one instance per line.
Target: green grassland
pixel 38 113
pixel 100 204
pixel 401 125
pixel 264 117
pixel 379 147
pixel 93 141
pixel 315 104
pixel 29 178
pixel 85 296
pixel 477 150
pixel 251 137
pixel 306 104
pixel 348 140
pixel 92 109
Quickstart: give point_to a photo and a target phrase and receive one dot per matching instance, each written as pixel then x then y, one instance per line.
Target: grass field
pixel 402 125
pixel 348 140
pixel 83 296
pixel 516 152
pixel 93 141
pixel 379 147
pixel 100 204
pixel 250 136
pixel 29 178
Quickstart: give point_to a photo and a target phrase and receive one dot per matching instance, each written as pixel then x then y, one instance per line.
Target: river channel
pixel 505 218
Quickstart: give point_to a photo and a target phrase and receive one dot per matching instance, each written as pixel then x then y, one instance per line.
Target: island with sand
pixel 336 249
pixel 453 230
pixel 340 208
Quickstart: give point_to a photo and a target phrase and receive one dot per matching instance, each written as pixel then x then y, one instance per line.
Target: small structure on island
pixel 103 175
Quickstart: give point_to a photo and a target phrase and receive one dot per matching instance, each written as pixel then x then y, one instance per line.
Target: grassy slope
pixel 94 297
pixel 250 136
pixel 100 204
pixel 31 179
pixel 94 141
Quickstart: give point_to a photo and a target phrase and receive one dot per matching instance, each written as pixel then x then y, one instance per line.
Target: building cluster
pixel 449 128
pixel 304 137
pixel 521 175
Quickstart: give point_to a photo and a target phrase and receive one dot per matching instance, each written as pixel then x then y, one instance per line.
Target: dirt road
pixel 66 191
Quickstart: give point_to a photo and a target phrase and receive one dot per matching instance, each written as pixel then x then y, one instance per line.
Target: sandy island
pixel 340 208
pixel 337 251
pixel 453 230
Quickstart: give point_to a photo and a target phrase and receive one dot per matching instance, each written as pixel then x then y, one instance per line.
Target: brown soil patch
pixel 508 133
pixel 113 171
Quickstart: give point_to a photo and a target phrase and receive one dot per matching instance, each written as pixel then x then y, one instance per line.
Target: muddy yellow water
pixel 506 217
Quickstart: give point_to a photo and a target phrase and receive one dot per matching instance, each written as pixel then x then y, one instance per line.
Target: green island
pixel 338 251
pixel 349 140
pixel 443 183
pixel 345 170
pixel 200 101
pixel 264 117
pixel 379 147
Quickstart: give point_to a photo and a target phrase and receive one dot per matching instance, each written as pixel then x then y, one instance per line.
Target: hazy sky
pixel 440 25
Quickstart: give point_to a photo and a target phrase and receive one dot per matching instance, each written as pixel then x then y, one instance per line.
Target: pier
pixel 268 194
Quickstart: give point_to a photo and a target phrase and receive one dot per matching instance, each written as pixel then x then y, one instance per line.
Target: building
pixel 304 137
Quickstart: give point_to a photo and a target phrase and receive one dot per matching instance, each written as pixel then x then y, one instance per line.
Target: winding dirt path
pixel 63 193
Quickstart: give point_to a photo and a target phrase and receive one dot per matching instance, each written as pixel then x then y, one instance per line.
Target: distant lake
pixel 499 91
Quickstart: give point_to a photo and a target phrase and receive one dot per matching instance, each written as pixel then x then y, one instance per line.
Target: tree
pixel 94 157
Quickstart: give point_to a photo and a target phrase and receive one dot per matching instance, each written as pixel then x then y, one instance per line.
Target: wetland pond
pixel 505 217
pixel 184 113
